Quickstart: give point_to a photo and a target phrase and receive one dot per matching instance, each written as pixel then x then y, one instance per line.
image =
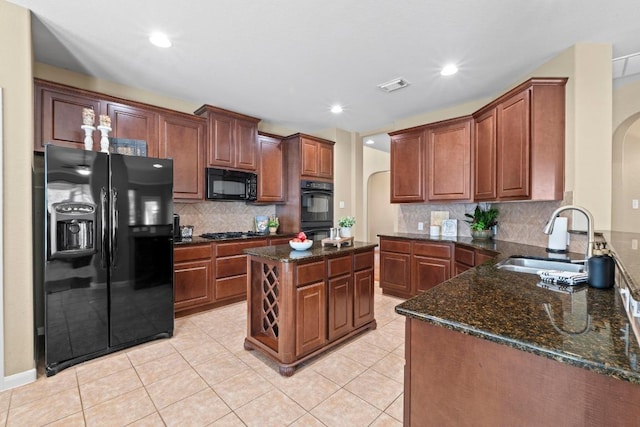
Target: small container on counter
pixel 601 270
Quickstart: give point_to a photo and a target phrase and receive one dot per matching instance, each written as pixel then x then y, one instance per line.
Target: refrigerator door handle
pixel 104 201
pixel 114 227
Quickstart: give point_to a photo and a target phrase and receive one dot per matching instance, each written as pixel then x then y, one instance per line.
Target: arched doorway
pixel 626 180
pixel 381 214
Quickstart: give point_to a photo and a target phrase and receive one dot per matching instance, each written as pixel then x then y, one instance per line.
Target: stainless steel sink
pixel 533 265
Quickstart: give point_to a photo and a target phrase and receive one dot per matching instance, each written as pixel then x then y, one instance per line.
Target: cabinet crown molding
pixel 206 109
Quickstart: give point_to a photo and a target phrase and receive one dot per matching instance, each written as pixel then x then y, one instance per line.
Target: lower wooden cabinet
pixel 410 266
pixel 311 324
pixel 363 297
pixel 209 275
pixel 231 269
pixel 395 267
pixel 193 279
pixel 340 306
pixel 429 272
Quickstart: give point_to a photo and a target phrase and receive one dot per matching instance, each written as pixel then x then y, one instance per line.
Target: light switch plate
pixel 634 204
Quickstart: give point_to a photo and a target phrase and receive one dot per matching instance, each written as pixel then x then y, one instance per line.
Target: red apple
pixel 301 236
pixel 296 240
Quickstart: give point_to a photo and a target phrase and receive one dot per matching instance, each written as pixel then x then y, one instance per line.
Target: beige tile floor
pixel 203 377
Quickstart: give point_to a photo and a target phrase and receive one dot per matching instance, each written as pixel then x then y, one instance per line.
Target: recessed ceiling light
pixel 336 109
pixel 369 141
pixel 160 40
pixel 449 70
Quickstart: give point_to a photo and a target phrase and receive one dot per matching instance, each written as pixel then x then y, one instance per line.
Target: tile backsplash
pixel 520 222
pixel 213 217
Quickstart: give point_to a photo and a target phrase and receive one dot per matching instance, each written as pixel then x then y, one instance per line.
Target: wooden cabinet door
pixel 407 167
pixel 449 161
pixel 246 138
pixel 513 147
pixel 363 294
pixel 192 283
pixel 311 323
pixel 220 147
pixel 429 272
pixel 340 308
pixel 484 153
pixel 395 273
pixel 182 139
pixel 58 117
pixel 325 161
pixel 129 122
pixel 309 163
pixel 270 170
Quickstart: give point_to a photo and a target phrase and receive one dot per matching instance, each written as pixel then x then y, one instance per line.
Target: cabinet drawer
pixel 403 247
pixel 274 241
pixel 435 250
pixel 312 272
pixel 338 266
pixel 236 248
pixel 231 266
pixel 230 287
pixel 465 256
pixel 188 253
pixel 483 255
pixel 363 260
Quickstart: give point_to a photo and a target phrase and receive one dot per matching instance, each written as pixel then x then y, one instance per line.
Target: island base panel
pixel 288 369
pixel 456 379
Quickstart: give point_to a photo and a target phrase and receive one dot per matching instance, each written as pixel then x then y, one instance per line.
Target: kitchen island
pixel 301 303
pixel 494 347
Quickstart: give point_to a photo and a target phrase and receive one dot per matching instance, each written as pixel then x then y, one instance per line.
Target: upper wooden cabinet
pixel 519 143
pixel 58 115
pixel 182 139
pixel 510 149
pixel 232 140
pixel 449 160
pixel 408 150
pixel 308 157
pixel 484 156
pixel 131 122
pixel 271 184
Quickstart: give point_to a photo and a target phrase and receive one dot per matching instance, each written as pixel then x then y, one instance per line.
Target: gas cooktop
pixel 231 235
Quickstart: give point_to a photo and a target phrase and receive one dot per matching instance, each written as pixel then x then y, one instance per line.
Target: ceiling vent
pixel 394 84
pixel 627 65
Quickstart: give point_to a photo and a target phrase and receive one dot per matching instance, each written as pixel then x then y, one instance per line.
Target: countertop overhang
pixel 587 328
pixel 284 253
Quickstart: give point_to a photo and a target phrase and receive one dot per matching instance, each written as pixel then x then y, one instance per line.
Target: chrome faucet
pixel 548 229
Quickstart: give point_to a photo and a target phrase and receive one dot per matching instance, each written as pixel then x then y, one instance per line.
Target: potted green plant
pixel 273 224
pixel 482 222
pixel 345 223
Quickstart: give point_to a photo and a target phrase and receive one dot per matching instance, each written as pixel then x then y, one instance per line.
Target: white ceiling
pixel 288 61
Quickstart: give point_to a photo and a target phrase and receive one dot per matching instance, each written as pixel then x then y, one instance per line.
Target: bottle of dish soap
pixel 602 268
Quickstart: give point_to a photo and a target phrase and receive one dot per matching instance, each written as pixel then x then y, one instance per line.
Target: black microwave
pixel 223 184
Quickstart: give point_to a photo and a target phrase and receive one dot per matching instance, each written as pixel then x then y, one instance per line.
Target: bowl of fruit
pixel 300 242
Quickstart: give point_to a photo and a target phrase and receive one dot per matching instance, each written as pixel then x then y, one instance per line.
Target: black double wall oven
pixel 316 209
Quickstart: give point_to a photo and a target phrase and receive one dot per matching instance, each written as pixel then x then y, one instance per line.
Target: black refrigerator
pixel 108 273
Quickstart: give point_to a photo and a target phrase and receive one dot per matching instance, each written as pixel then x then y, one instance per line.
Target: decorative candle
pixel 88 116
pixel 105 120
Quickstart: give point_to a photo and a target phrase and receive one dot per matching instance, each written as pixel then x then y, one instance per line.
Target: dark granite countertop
pixel 587 328
pixel 284 253
pixel 199 240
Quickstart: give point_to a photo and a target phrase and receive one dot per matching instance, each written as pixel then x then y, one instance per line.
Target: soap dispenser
pixel 601 268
